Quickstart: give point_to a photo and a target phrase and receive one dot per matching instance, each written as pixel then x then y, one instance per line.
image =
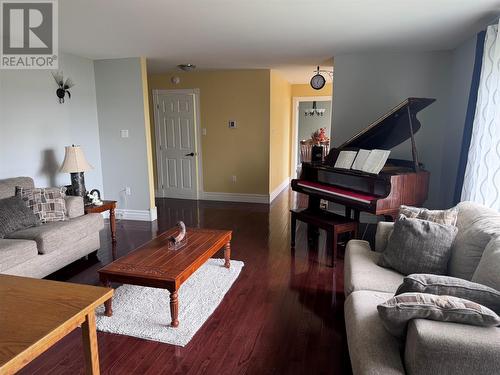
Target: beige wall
pixel 240 95
pixel 280 110
pixel 306 90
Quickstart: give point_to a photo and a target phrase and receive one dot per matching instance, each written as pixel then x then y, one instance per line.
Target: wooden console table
pixel 332 223
pixel 106 206
pixel 35 314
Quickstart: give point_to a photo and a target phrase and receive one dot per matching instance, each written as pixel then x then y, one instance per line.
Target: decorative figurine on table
pixel 319 137
pixel 94 197
pixel 177 241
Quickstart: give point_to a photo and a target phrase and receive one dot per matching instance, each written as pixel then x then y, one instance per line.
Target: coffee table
pixel 155 265
pixel 35 314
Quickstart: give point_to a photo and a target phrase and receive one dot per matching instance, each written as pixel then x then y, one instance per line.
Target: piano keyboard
pixel 335 191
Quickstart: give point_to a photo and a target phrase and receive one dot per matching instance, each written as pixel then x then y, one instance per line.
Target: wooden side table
pixel 332 223
pixel 106 206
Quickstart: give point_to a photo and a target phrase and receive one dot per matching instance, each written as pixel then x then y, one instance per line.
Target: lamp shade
pixel 74 160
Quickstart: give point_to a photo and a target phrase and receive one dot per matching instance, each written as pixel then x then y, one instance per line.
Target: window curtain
pixel 482 172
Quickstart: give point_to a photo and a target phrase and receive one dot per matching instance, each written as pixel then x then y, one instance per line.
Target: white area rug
pixel 145 312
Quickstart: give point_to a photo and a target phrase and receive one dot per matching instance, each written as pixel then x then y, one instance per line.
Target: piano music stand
pixel 333 224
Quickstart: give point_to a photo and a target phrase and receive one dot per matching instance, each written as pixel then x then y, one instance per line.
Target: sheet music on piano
pixel 369 161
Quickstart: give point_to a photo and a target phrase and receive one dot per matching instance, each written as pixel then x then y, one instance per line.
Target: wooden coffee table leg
pixel 108 305
pixel 174 308
pixel 227 255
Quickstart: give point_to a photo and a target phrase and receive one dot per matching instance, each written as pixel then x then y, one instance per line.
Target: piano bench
pixel 333 224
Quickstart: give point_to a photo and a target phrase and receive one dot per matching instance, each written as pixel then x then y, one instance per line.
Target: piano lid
pixel 392 128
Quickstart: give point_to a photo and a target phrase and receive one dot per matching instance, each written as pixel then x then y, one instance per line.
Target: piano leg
pixel 293 226
pixel 348 212
pixel 356 215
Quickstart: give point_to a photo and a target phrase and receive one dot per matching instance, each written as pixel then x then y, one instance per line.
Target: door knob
pixel 191 154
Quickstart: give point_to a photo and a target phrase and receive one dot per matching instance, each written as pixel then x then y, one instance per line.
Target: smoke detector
pixel 187 67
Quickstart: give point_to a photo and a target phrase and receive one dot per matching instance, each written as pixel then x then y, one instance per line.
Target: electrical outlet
pixel 127 190
pixel 233 178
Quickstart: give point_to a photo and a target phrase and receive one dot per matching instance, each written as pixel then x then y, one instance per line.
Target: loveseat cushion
pixel 477 225
pixel 8 185
pixel 57 235
pixel 15 252
pixel 451 348
pixel 361 271
pixel 14 216
pixel 372 349
pixel 488 270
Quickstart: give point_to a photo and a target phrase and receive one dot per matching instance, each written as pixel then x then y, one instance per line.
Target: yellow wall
pixel 240 95
pixel 306 90
pixel 281 104
pixel 148 123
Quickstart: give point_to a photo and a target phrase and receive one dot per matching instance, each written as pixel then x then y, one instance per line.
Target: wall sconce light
pixel 64 86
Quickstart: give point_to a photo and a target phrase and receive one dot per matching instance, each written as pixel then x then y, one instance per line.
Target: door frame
pixel 159 192
pixel 296 100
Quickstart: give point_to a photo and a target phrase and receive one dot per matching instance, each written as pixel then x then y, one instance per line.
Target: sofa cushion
pixel 14 215
pixel 74 206
pixel 488 270
pixel 58 235
pixel 477 226
pixel 418 246
pixel 447 217
pixel 15 252
pixel 361 271
pixel 372 349
pixel 8 185
pixel 399 310
pixel 451 348
pixel 452 286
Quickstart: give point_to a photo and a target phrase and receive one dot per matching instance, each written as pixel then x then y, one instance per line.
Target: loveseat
pixel 41 250
pixel 429 347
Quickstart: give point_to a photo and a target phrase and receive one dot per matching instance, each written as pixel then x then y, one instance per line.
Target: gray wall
pixel 120 106
pixel 34 127
pixel 368 85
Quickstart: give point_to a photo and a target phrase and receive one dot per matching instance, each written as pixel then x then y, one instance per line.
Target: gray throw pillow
pixel 418 246
pixel 399 310
pixel 488 269
pixel 15 215
pixel 452 286
pixel 447 217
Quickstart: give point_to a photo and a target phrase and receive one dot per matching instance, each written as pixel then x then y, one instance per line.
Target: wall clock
pixel 318 81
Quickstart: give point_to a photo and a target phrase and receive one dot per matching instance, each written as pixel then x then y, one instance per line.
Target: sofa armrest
pixel 384 230
pixel 74 206
pixel 451 348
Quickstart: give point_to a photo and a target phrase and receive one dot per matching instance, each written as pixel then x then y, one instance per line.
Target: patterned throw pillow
pixel 451 286
pixel 47 204
pixel 399 310
pixel 446 217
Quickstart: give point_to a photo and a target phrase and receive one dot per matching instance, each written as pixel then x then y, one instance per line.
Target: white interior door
pixel 176 145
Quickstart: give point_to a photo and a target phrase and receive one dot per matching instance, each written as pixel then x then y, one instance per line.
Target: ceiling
pixel 289 35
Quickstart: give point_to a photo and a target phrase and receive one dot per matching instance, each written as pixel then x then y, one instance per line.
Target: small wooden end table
pixel 155 265
pixel 106 206
pixel 332 223
pixel 35 314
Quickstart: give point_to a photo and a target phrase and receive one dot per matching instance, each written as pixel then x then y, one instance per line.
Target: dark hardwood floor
pixel 284 314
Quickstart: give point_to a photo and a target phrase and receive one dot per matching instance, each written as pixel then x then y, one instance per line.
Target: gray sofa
pixel 41 250
pixel 430 347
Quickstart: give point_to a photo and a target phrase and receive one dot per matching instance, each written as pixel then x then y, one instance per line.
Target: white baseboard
pixel 234 197
pixel 141 215
pixel 279 189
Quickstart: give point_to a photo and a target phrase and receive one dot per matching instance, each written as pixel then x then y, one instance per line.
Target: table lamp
pixel 75 164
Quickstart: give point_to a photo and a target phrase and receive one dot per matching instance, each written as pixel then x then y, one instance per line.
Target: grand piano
pixel 399 182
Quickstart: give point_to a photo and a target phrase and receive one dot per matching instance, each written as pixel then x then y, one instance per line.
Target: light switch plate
pixel 124 133
pixel 204 131
pixel 232 124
